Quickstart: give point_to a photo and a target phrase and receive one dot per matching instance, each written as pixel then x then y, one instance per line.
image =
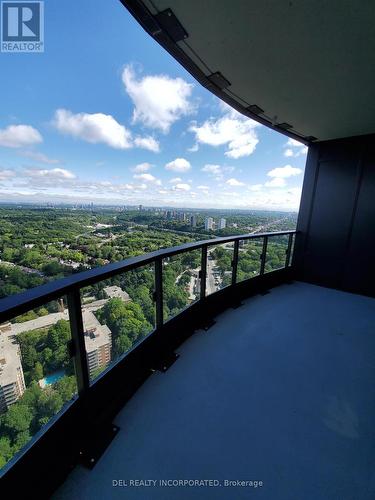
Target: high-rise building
pixel 222 223
pixel 193 221
pixel 98 342
pixel 12 382
pixel 208 223
pixel 140 208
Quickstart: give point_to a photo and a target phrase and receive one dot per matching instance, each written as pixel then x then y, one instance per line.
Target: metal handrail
pixel 17 304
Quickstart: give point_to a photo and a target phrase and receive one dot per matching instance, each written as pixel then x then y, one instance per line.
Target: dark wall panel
pixel 359 270
pixel 336 239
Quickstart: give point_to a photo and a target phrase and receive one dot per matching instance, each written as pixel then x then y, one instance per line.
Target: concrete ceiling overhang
pixel 302 67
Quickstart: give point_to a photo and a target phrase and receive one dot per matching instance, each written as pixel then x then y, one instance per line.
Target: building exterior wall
pixel 12 382
pixel 334 246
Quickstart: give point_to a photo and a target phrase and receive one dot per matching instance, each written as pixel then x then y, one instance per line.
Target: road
pixel 210 282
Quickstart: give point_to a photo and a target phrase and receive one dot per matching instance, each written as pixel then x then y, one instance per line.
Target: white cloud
pixel 6 174
pixel 93 128
pixel 276 182
pixel 175 180
pixel 158 100
pixel 284 172
pixel 212 169
pixel 294 148
pixel 147 142
pixel 147 178
pixel 233 129
pixel 256 187
pixel 54 173
pixel 234 182
pixel 294 144
pixel 178 165
pixel 194 148
pixel 39 157
pixel 17 136
pixel 142 167
pixel 181 187
pixel 203 188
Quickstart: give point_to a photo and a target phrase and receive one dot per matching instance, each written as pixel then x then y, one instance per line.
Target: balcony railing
pixel 112 352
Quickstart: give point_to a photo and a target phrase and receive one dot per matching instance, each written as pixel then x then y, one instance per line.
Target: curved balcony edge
pixel 17 304
pixel 60 445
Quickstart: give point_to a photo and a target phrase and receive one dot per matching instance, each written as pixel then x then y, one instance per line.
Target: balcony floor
pixel 280 390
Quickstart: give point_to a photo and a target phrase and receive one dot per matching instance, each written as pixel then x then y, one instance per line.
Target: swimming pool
pixel 52 378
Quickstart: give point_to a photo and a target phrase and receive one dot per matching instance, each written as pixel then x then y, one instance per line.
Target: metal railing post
pixel 159 292
pixel 78 339
pixel 203 271
pixel 289 250
pixel 235 261
pixel 263 255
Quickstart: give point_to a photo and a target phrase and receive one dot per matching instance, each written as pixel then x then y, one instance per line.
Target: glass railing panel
pixel 249 255
pixel 276 252
pixel 181 282
pixel 117 314
pixel 37 377
pixel 219 267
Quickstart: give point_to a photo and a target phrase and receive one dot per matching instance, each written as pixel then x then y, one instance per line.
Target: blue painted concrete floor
pixel 279 391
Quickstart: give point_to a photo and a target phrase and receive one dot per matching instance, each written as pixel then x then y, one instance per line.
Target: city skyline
pixel 124 124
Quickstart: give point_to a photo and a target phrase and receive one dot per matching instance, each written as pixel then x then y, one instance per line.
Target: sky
pixel 105 115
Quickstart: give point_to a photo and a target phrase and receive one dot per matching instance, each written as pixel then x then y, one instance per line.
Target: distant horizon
pixel 86 206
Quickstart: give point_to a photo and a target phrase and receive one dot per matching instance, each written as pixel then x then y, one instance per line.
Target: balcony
pixel 68 346
pixel 263 369
pixel 260 378
pixel 279 390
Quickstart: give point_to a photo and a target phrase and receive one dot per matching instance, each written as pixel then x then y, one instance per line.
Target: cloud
pixel 294 148
pixel 147 142
pixel 256 187
pixel 39 157
pixel 94 128
pixel 158 100
pixel 284 172
pixel 147 178
pixel 142 167
pixel 234 182
pixel 54 173
pixel 175 180
pixel 6 174
pixel 212 169
pixel 294 143
pixel 194 148
pixel 234 130
pixel 203 188
pixel 181 187
pixel 217 171
pixel 18 136
pixel 178 165
pixel 276 182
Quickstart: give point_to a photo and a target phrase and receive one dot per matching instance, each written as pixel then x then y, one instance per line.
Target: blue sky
pixel 106 115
